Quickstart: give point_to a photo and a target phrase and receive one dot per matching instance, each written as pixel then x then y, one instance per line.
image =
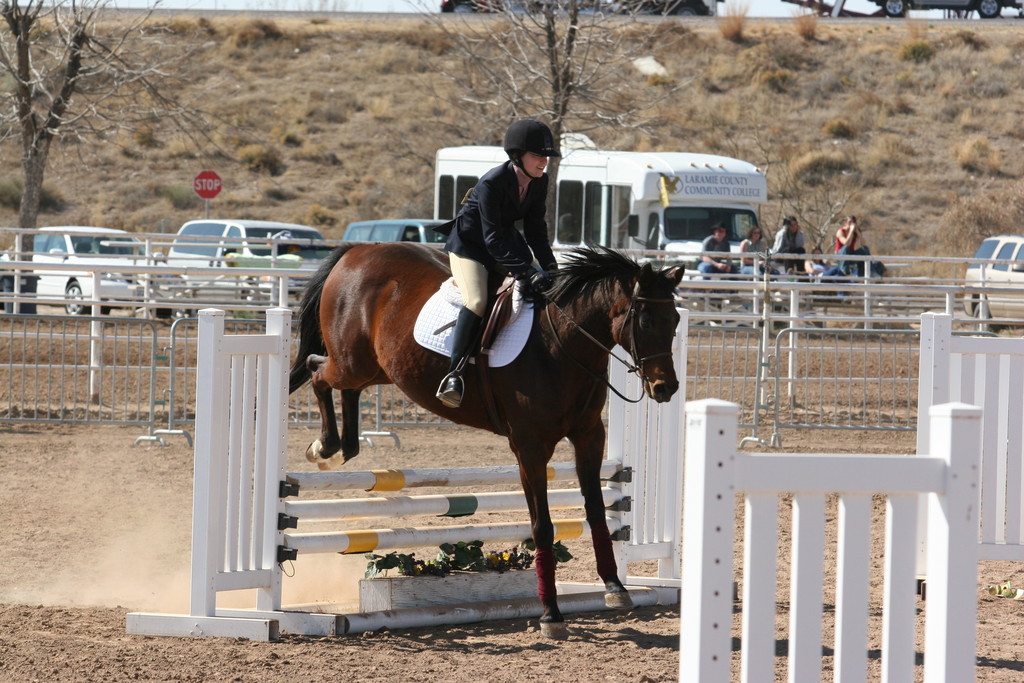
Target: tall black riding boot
pixel 464 338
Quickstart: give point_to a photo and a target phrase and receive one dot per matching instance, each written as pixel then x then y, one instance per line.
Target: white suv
pixel 96 248
pixel 1006 276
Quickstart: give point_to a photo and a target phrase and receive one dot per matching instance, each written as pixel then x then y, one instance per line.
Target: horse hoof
pixel 313 451
pixel 618 600
pixel 555 630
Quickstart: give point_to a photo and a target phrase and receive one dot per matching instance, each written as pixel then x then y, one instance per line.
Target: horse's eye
pixel 645 321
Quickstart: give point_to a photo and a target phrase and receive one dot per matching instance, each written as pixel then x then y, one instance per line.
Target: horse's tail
pixel 310 340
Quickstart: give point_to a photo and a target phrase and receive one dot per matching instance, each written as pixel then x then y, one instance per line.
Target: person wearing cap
pixel 716 242
pixel 484 237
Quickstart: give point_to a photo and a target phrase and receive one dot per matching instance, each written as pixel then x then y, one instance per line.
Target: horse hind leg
pixel 323 450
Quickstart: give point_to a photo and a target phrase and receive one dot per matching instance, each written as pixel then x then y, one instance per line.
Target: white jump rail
pixel 988 372
pixel 243 513
pixel 715 473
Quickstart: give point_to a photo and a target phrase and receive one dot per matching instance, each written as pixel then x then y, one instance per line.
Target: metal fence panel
pixel 845 379
pixel 78 369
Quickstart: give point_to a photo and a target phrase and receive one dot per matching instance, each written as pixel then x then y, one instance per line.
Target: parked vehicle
pixel 986 9
pixel 1004 304
pixel 227 243
pixel 465 6
pixel 626 200
pixel 214 243
pixel 95 247
pixel 27 285
pixel 396 230
pixel 680 7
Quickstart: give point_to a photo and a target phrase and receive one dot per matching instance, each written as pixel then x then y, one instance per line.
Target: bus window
pixel 463 184
pixel 617 211
pixel 446 197
pixel 652 231
pixel 570 212
pixel 592 215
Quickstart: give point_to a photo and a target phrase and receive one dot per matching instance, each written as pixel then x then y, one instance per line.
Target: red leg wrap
pixel 544 561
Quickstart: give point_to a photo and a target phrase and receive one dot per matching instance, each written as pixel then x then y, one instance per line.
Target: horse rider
pixel 484 237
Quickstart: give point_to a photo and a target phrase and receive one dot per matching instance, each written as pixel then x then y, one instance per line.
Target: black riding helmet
pixel 530 135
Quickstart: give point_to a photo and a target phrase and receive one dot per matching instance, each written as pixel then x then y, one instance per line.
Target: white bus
pixel 625 200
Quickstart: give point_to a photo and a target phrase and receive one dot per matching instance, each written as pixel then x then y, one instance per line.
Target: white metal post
pixel 207 517
pixel 933 388
pixel 279 322
pixel 950 628
pixel 708 500
pixel 96 345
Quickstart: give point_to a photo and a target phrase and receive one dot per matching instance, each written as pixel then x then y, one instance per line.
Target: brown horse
pixel 356 330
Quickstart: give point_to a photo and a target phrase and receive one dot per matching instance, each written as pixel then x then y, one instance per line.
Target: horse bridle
pixel 633 319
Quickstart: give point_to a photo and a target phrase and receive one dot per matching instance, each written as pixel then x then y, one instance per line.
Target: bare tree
pixel 76 72
pixel 556 60
pixel 563 61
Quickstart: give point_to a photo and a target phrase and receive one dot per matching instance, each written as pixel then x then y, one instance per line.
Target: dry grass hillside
pixel 914 127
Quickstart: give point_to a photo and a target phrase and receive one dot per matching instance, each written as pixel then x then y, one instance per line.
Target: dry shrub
pixel 181 197
pixel 806 26
pixel 888 151
pixel 317 153
pixel 260 159
pixel 917 50
pixel 817 167
pixel 661 80
pixel 968 39
pixel 317 216
pixel 145 137
pixel 976 155
pixel 255 33
pixel 286 135
pixel 732 24
pixel 839 128
pixel 436 43
pixel 974 217
pixel 777 80
pixel 185 26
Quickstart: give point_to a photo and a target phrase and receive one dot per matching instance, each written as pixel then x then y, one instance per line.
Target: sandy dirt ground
pixel 96 527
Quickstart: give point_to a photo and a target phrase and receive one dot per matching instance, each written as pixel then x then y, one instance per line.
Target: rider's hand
pixel 539 281
pixel 532 284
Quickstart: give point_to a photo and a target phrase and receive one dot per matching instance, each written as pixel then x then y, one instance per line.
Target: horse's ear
pixel 674 274
pixel 646 274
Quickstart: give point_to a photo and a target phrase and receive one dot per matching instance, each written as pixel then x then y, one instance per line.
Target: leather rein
pixel 632 316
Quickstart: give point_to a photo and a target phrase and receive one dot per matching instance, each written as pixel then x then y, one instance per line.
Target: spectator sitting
pixel 789 240
pixel 816 267
pixel 717 241
pixel 755 243
pixel 850 242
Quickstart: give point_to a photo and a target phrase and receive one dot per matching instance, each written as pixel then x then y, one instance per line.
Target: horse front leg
pixel 589 448
pixel 535 485
pixel 322 450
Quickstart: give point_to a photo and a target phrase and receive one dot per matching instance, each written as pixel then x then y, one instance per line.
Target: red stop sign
pixel 207 184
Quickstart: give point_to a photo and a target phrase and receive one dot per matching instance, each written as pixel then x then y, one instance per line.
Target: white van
pixel 625 200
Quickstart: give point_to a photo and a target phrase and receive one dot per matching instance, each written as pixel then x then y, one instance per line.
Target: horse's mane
pixel 588 268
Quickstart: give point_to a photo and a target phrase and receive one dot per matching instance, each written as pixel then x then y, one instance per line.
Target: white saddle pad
pixel 436 322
